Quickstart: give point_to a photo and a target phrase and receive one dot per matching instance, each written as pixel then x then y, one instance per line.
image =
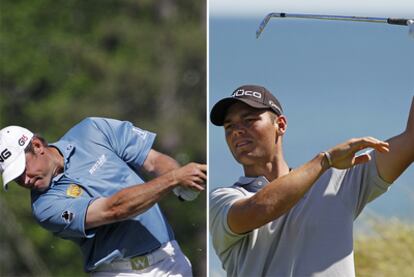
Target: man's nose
pixel 27 179
pixel 239 129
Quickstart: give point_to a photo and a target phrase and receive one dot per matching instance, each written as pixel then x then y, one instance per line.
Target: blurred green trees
pixel 137 60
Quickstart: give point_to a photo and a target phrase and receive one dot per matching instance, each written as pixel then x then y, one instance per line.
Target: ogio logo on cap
pixel 242 92
pixel 273 104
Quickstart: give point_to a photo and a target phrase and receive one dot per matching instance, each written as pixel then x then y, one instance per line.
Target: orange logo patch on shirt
pixel 74 191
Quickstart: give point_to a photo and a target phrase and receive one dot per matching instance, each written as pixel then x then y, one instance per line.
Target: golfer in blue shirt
pixel 87 187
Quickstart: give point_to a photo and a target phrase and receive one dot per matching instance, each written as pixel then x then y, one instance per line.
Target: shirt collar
pixel 66 149
pixel 252 184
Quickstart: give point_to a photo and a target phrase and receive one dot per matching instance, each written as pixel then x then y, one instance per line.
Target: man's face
pixel 250 134
pixel 38 173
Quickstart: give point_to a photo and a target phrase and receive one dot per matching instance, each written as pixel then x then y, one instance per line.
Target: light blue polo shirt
pixel 101 157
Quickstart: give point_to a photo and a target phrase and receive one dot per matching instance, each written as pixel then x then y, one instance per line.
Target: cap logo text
pixel 23 140
pixel 273 104
pixel 242 92
pixel 4 155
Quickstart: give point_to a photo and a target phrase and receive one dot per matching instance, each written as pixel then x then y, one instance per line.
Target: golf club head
pixel 410 24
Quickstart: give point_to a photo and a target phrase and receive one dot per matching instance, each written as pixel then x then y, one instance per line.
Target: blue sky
pixel 335 80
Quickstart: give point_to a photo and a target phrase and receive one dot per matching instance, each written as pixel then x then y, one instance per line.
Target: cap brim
pixel 14 170
pixel 219 110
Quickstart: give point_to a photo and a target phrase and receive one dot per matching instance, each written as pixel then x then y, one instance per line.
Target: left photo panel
pixel 103 138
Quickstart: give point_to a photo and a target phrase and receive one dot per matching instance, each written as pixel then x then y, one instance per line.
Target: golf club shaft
pixel 394 21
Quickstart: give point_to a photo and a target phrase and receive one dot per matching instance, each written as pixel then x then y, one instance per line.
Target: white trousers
pixel 175 265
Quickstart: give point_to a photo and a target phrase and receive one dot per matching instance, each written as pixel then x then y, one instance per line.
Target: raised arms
pixel 391 165
pixel 283 193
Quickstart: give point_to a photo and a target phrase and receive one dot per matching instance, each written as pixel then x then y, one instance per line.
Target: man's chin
pixel 41 188
pixel 246 159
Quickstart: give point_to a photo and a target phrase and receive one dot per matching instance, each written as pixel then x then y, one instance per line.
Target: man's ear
pixel 38 146
pixel 281 124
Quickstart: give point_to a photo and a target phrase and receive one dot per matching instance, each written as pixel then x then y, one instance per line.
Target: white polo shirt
pixel 315 238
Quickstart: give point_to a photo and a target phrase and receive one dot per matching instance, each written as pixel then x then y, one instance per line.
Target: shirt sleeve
pixel 362 184
pixel 220 202
pixel 129 142
pixel 63 216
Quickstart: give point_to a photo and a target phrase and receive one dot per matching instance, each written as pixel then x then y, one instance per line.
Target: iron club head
pixel 410 24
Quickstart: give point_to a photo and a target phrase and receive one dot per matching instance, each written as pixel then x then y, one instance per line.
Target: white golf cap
pixel 13 141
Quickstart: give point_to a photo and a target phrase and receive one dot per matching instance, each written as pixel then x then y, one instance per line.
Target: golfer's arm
pixel 136 199
pixel 392 164
pixel 158 164
pixel 276 198
pixel 128 202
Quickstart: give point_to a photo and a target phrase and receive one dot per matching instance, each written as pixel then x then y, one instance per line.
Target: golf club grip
pixel 397 21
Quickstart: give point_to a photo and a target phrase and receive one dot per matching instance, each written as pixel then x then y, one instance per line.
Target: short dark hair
pixel 29 147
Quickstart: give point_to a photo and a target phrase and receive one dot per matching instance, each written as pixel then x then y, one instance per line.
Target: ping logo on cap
pixel 242 92
pixel 4 155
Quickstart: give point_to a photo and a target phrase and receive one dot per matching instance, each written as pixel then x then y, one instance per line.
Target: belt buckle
pixel 139 262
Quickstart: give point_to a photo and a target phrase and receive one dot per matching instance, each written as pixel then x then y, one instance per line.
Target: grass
pixel 387 251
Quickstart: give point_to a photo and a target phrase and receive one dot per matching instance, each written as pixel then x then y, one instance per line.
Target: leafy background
pixel 61 61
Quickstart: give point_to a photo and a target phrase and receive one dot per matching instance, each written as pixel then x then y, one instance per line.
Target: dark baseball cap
pixel 255 96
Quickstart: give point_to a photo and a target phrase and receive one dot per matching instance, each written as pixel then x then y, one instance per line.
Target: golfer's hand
pixel 343 155
pixel 192 175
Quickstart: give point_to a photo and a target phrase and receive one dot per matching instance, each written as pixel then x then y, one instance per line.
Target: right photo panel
pixel 311 138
